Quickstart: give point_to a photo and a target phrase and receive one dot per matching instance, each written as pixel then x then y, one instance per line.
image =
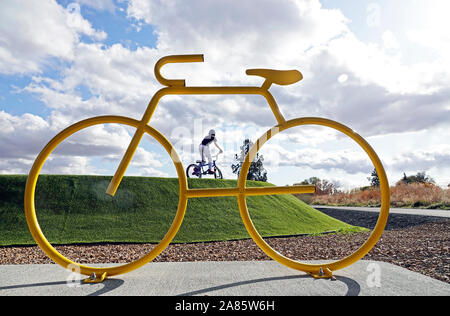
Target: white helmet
pixel 212 132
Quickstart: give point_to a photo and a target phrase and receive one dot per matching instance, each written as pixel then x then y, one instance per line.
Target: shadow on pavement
pixel 353 287
pixel 108 285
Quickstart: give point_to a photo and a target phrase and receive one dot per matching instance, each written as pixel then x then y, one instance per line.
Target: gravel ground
pixel 417 243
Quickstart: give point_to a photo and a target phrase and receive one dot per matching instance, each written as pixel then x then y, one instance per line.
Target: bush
pixel 419 194
pixel 423 195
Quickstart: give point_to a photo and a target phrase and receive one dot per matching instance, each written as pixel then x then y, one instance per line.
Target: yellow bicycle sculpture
pixel 178 87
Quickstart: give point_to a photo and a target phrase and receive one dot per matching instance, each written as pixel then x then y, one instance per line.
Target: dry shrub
pixel 402 195
pixel 419 194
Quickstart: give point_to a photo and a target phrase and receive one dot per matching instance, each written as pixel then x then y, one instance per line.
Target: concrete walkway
pixel 392 210
pixel 236 278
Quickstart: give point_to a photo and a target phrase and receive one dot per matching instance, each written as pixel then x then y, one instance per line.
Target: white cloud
pixel 233 33
pixel 366 86
pixel 15 166
pixel 73 165
pixel 32 33
pixel 75 21
pixel 308 37
pixel 349 161
pixel 423 159
pixel 429 26
pixel 120 79
pixel 100 81
pixel 101 5
pixel 390 41
pixel 21 136
pixel 144 158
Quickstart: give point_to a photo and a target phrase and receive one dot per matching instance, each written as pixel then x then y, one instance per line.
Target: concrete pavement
pixel 236 278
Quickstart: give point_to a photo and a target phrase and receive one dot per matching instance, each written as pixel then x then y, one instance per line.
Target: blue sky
pixel 119 28
pixel 380 67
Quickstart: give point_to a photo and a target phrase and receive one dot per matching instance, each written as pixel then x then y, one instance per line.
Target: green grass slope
pixel 75 209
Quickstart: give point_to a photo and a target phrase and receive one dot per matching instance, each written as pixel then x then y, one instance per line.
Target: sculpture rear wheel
pixel 317 270
pixel 30 211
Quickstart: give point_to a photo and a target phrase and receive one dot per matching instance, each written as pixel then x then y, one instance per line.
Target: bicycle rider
pixel 204 149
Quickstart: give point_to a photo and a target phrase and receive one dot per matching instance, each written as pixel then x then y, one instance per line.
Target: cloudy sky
pixel 379 67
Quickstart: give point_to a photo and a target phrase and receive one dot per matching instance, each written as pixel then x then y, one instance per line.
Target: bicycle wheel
pixel 193 171
pixel 218 173
pixel 317 270
pixel 29 202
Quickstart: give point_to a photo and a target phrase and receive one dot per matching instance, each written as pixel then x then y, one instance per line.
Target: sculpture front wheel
pixel 30 211
pixel 317 270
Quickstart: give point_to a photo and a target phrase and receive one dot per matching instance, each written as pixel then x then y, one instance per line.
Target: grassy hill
pixel 75 209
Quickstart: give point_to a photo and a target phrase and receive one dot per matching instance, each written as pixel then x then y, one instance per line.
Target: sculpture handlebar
pixel 175 59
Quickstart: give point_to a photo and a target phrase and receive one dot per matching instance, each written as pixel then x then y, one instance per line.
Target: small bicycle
pixel 241 191
pixel 198 170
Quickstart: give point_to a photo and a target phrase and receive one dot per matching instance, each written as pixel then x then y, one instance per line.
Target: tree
pixel 323 187
pixel 373 179
pixel 310 181
pixel 256 171
pixel 420 177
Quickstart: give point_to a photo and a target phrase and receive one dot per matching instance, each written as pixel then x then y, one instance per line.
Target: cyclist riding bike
pixel 204 149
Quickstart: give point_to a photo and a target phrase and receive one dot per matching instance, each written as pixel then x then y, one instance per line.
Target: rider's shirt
pixel 208 140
